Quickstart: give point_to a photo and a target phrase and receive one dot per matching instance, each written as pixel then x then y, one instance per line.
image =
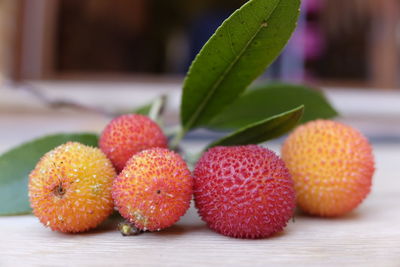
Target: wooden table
pixel 369 236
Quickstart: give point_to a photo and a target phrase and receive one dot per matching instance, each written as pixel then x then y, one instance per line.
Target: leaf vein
pixel 229 68
pixel 230 40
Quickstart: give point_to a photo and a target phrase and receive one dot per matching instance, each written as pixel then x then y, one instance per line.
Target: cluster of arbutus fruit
pixel 239 191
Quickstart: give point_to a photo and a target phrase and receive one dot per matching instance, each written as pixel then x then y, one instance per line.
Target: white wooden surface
pixel 369 236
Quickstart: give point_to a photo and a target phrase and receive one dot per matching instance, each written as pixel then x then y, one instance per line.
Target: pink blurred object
pixel 313 5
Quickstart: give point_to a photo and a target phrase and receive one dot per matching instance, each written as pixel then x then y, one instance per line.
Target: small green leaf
pixel 16 164
pixel 263 130
pixel 239 51
pixel 154 109
pixel 143 110
pixel 269 99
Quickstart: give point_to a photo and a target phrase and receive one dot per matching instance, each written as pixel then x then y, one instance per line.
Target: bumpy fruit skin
pixel 127 135
pixel 243 191
pixel 70 188
pixel 154 189
pixel 332 166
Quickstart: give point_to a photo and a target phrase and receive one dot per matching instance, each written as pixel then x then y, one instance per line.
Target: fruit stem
pixel 177 139
pixel 157 108
pixel 128 229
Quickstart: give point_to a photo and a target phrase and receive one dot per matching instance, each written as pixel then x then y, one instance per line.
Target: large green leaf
pixel 263 130
pixel 16 164
pixel 239 51
pixel 267 100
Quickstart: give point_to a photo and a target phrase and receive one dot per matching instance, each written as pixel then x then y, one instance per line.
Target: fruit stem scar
pixel 59 190
pixel 158 191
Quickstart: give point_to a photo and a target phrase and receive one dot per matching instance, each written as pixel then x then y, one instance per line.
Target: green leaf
pixel 269 99
pixel 143 110
pixel 264 130
pixel 16 164
pixel 154 109
pixel 238 52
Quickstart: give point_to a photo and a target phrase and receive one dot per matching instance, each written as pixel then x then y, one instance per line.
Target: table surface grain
pixel 369 236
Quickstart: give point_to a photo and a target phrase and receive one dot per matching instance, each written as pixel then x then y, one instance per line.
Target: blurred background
pixel 120 54
pixel 338 42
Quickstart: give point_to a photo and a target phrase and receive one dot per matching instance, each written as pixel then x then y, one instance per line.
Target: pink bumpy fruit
pixel 154 189
pixel 243 191
pixel 127 135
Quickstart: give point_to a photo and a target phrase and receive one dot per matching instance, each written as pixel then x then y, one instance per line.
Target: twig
pixel 58 103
